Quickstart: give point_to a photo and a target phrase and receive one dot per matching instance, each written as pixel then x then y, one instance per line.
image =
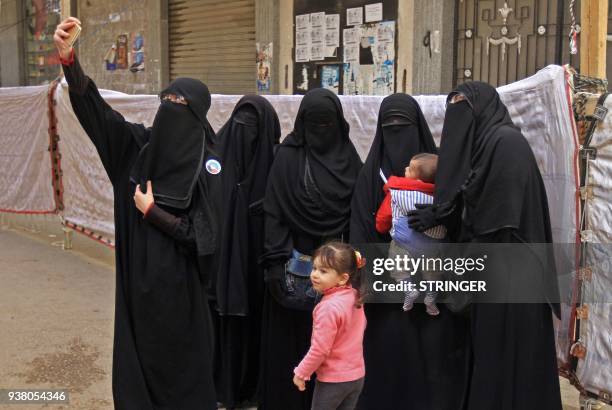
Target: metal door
pixel 500 42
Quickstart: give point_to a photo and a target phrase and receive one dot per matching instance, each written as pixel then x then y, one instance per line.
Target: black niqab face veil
pixel 315 175
pixel 173 158
pixel 468 136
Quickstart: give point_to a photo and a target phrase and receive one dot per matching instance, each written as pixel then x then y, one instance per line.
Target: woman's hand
pixel 61 34
pixel 299 383
pixel 145 201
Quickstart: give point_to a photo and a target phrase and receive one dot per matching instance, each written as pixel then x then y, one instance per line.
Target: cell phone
pixel 74 32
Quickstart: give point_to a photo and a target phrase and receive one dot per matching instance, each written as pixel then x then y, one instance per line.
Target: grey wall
pixel 11 45
pixel 433 75
pixel 100 32
pixel 267 30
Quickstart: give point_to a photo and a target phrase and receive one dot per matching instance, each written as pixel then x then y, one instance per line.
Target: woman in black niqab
pixel 162 352
pixel 489 190
pixel 307 203
pixel 412 360
pixel 246 148
pixel 401 133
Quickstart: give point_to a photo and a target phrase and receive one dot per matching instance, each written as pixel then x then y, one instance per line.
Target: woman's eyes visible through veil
pixel 175 98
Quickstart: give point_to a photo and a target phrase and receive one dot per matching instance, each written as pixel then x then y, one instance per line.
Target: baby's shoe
pixel 409 299
pixel 430 306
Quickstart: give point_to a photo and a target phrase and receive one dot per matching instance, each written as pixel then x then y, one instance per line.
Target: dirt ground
pixel 56 321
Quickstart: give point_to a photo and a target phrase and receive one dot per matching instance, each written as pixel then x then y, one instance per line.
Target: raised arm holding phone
pixel 162 338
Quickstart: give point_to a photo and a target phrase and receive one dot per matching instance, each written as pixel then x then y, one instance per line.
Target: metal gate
pixel 213 41
pixel 504 41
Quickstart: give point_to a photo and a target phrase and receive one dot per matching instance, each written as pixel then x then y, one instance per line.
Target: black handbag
pixel 300 293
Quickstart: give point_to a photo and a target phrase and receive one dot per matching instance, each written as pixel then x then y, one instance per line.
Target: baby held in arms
pixel 402 194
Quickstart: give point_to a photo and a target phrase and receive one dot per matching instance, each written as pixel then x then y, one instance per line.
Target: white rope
pixel 573 35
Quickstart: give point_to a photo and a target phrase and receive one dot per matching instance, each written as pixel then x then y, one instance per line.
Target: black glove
pixel 427 216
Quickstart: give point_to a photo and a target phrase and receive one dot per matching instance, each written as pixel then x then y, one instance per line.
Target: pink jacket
pixel 336 346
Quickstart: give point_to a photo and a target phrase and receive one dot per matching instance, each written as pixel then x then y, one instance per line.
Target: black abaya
pixel 488 170
pixel 162 338
pixel 307 203
pixel 413 360
pixel 245 144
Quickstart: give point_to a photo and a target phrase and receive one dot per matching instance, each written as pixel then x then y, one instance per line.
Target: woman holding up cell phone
pixel 162 340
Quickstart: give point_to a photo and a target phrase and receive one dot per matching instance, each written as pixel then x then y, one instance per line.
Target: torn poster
pixel 122 51
pixel 303 86
pixel 330 77
pixel 137 53
pixel 371 72
pixel 263 66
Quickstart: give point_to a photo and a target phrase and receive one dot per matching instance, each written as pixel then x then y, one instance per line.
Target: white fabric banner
pixel 595 371
pixel 25 161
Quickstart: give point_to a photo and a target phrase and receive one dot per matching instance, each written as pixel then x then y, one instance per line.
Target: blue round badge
pixel 213 166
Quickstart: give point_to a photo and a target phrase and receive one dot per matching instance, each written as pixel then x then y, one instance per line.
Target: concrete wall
pixel 102 22
pixel 267 16
pixel 11 45
pixel 433 75
pixel 285 54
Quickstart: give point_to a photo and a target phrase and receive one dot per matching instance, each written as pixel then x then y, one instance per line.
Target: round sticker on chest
pixel 213 166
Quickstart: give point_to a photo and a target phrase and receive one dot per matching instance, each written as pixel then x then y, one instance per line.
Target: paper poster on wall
pixel 317 35
pixel 354 16
pixel 263 66
pixel 317 52
pixel 302 54
pixel 303 85
pixel 351 53
pixel 332 34
pixel 332 38
pixel 385 31
pixel 373 12
pixel 317 19
pixel 330 77
pixel 371 71
pixel 302 21
pixel 110 58
pixel 137 54
pixel 332 21
pixel 302 37
pixel 351 36
pixel 122 51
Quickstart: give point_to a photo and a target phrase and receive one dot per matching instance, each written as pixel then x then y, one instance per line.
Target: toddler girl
pixel 336 347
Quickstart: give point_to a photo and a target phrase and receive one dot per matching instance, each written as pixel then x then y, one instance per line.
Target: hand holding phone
pixel 74 32
pixel 65 35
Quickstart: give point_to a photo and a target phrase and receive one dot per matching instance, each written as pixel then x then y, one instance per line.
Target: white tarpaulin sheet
pixel 25 162
pixel 595 371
